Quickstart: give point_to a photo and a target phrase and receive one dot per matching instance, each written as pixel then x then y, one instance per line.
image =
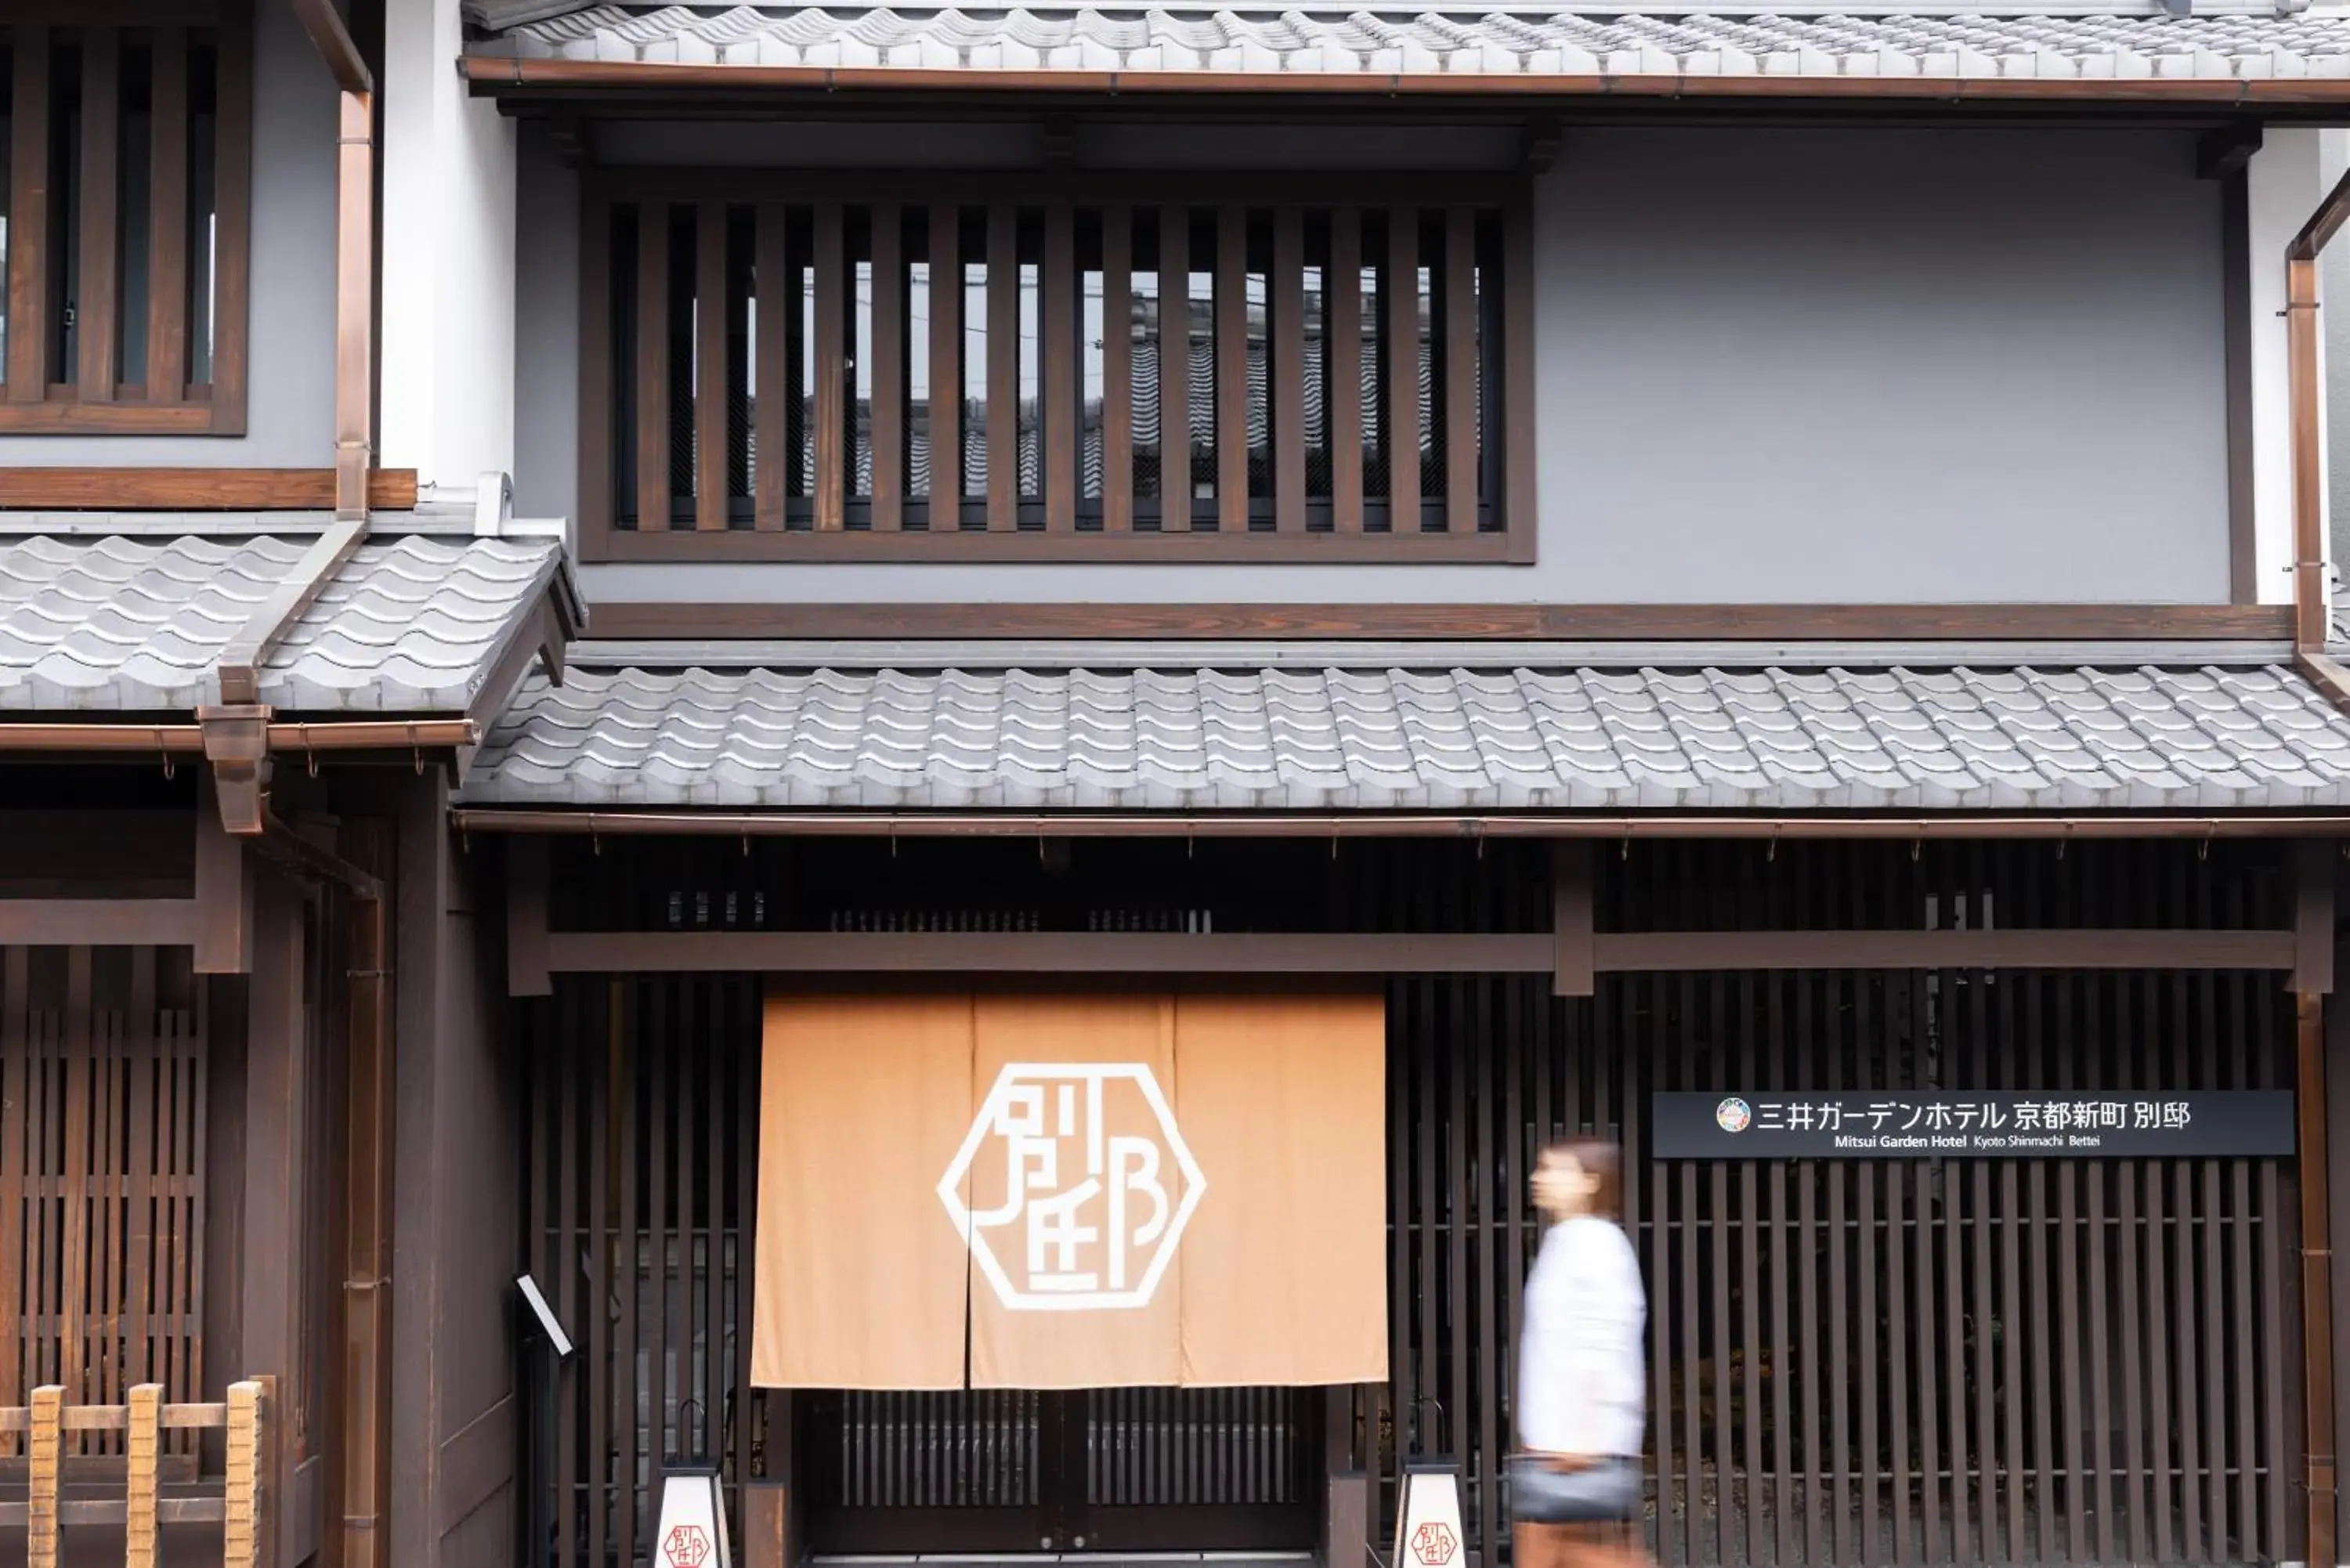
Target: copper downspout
pixel 357 1537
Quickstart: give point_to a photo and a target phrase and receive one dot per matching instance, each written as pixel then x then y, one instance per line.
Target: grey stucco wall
pixel 1775 365
pixel 290 386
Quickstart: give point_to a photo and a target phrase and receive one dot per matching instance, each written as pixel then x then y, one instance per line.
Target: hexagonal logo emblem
pixel 1079 1185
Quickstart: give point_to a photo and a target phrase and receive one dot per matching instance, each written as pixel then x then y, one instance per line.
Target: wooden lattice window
pixel 125 194
pixel 1132 366
pixel 103 1077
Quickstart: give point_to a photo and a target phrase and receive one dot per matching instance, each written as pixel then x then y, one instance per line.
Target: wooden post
pixel 139 1541
pixel 1572 943
pixel 41 1532
pixel 241 1532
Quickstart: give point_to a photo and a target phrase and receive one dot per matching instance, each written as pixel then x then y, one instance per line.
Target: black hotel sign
pixel 1897 1124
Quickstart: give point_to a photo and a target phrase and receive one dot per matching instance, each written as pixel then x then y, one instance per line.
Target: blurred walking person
pixel 1575 1484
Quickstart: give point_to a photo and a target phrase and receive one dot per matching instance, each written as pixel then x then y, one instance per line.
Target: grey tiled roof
pixel 1870 40
pixel 2073 738
pixel 410 623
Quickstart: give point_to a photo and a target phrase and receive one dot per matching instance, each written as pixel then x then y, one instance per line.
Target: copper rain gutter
pixel 499 71
pixel 357 1515
pixel 1377 824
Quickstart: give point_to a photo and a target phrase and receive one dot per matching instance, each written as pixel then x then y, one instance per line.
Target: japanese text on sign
pixel 1919 1124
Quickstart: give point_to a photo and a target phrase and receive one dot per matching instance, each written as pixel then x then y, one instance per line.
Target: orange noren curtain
pixel 862 1104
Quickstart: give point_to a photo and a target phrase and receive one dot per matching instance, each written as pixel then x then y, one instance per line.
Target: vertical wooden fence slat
pixel 78 1065
pixel 1062 387
pixel 1231 370
pixel 571 1290
pixel 1286 384
pixel 16 1089
pixel 1402 388
pixel 1174 370
pixel 652 431
pixel 948 480
pixel 28 216
pixel 233 209
pixel 1342 367
pixel 96 310
pixel 1461 464
pixel 770 364
pixel 167 220
pixel 887 415
pixel 43 1538
pixel 142 1472
pixel 144 1166
pixel 710 387
pixel 828 402
pixel 1117 369
pixel 1002 368
pixel 623 1002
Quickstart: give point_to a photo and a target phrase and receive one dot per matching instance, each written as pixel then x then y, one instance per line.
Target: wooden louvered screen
pixel 1056 368
pixel 103 1077
pixel 125 183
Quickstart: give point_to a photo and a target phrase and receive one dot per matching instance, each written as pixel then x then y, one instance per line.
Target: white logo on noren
pixel 1096 1185
pixel 1733 1114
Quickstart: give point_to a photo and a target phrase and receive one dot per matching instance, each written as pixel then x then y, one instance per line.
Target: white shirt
pixel 1581 1371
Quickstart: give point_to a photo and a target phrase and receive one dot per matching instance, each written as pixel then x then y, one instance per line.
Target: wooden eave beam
pixel 535 955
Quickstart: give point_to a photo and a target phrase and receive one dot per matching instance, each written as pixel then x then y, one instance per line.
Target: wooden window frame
pixel 40 396
pixel 635 460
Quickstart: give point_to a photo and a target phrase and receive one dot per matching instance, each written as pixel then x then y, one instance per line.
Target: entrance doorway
pixel 1090 1470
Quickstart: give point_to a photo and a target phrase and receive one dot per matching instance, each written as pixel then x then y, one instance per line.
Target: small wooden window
pixel 125 183
pixel 1140 367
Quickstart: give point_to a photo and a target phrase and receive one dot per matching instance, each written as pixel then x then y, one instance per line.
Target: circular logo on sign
pixel 1732 1115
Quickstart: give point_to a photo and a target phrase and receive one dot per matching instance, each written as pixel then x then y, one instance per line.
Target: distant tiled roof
pixel 1895 42
pixel 137 623
pixel 1174 738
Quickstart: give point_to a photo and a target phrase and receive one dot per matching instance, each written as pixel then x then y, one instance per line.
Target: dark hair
pixel 1601 1159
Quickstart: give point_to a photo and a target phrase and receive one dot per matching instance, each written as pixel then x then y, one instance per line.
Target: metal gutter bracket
pixel 237 743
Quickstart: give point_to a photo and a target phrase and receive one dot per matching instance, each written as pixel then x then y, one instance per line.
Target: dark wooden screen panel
pixel 103 1077
pixel 1217 413
pixel 124 315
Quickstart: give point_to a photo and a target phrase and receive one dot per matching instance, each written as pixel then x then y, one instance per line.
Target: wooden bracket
pixel 1573 955
pixel 237 743
pixel 2224 151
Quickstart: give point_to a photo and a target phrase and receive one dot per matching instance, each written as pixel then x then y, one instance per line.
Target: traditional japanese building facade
pixel 605 676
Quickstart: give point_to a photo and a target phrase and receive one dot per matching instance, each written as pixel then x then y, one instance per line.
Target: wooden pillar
pixel 1346 1488
pixel 2316 868
pixel 276 1097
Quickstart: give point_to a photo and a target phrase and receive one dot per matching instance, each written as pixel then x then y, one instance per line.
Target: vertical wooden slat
pixel 947 484
pixel 1117 369
pixel 1461 371
pixel 1401 287
pixel 1231 369
pixel 888 413
pixel 624 1005
pixel 28 217
pixel 1342 367
pixel 139 1535
pixel 46 1449
pixel 1062 387
pixel 1285 386
pixel 652 431
pixel 829 402
pixel 233 207
pixel 1002 368
pixel 16 1102
pixel 167 220
pixel 1175 369
pixel 96 312
pixel 771 358
pixel 78 1064
pixel 710 389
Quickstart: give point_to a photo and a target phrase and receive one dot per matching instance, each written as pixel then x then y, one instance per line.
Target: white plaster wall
pixel 448 242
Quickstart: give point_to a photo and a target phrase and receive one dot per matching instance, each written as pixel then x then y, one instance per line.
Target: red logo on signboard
pixel 1433 1544
pixel 687 1546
